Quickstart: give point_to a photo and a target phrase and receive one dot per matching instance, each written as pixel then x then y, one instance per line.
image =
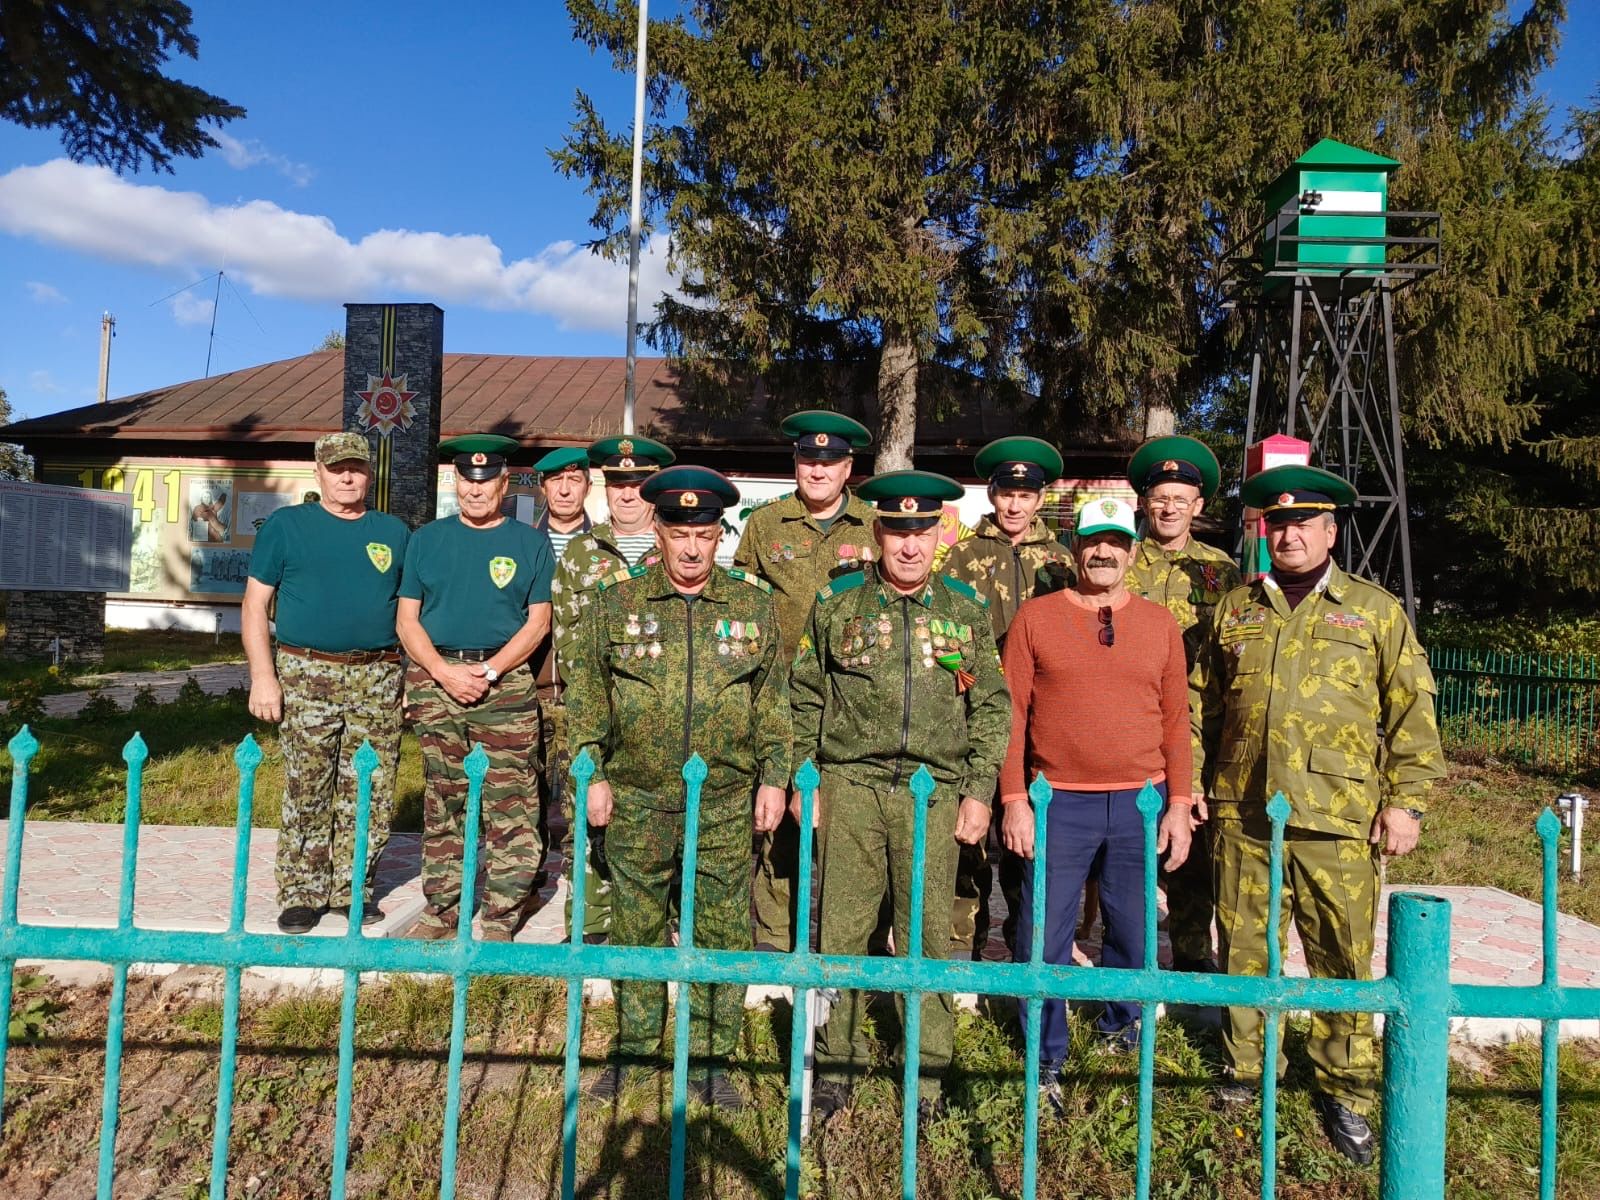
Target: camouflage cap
pixel 342 447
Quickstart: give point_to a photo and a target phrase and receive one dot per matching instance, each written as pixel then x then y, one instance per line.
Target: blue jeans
pixel 1091 835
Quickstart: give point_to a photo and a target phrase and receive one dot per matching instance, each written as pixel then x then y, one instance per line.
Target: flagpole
pixel 634 217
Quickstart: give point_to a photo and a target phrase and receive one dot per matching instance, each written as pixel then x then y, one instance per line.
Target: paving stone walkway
pixel 71 873
pixel 120 686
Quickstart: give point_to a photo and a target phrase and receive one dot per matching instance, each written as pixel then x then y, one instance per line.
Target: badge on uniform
pixel 501 569
pixel 382 557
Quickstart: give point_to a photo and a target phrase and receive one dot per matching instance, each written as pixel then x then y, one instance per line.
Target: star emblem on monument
pixel 386 404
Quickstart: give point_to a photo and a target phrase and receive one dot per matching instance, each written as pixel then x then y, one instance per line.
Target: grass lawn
pixel 128 650
pixel 511 1110
pixel 190 777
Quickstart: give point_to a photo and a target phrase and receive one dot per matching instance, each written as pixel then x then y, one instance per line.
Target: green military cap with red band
pixel 562 458
pixel 628 456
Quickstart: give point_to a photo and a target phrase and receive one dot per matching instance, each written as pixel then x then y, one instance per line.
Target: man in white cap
pixel 1099 704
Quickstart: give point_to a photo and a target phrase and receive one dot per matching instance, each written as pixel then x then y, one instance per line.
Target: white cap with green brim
pixel 1106 514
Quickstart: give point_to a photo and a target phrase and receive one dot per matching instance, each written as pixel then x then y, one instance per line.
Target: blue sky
pixel 391 152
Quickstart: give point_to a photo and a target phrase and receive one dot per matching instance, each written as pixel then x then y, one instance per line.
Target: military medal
pixel 866 660
pixel 639 650
pixel 651 625
pixel 723 647
pixel 655 649
pixel 633 624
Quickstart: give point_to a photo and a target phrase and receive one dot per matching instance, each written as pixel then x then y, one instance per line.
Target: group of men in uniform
pixel 834 638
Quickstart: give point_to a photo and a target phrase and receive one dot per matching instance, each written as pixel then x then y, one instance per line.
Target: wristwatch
pixel 1416 814
pixel 490 674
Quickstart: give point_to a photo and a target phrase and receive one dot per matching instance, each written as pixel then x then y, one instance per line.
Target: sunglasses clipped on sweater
pixel 1108 635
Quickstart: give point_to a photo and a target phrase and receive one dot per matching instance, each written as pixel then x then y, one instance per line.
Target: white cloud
pixel 242 155
pixel 44 383
pixel 189 307
pixel 43 293
pixel 302 256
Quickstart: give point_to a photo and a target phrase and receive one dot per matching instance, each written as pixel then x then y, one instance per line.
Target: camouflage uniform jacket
pixel 870 693
pixel 1005 574
pixel 588 559
pixel 1189 582
pixel 783 544
pixel 653 679
pixel 1332 704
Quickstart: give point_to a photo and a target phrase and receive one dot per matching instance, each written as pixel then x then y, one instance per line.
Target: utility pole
pixel 634 216
pixel 108 325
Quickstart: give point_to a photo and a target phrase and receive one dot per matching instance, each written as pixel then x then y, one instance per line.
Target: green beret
pixel 1174 458
pixel 562 458
pixel 1292 491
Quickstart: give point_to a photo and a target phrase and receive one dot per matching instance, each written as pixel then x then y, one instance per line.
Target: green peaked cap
pixel 1292 488
pixel 562 458
pixel 819 420
pixel 909 499
pixel 630 452
pixel 1149 458
pixel 1019 450
pixel 478 443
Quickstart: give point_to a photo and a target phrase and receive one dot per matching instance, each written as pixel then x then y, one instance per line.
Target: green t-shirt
pixel 476 584
pixel 337 580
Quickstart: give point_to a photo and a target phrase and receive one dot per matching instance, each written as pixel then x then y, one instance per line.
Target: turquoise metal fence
pixel 1415 995
pixel 1539 710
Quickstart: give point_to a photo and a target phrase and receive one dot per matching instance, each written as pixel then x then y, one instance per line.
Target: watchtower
pixel 1319 276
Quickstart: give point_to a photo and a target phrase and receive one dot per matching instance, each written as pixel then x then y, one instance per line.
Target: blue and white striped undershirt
pixel 635 546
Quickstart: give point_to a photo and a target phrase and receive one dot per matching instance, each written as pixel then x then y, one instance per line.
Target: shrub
pixel 191 694
pixel 99 708
pixel 24 706
pixel 144 699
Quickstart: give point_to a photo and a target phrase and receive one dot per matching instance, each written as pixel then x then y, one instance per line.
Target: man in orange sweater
pixel 1095 657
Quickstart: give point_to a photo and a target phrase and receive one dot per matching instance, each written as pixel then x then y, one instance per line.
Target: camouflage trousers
pixel 1191 906
pixel 596 871
pixel 328 710
pixel 866 835
pixel 975 879
pixel 645 849
pixel 777 864
pixel 1331 891
pixel 506 723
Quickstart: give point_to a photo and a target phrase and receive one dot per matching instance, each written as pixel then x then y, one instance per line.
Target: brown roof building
pixel 278 409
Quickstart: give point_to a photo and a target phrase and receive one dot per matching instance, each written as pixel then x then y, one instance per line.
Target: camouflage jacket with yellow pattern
pixel 875 691
pixel 1005 574
pixel 653 678
pixel 1189 582
pixel 783 544
pixel 588 559
pixel 1332 704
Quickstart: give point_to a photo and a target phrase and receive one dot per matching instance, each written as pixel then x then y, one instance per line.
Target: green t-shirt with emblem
pixel 476 584
pixel 337 580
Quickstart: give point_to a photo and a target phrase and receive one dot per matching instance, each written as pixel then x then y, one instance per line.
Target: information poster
pixel 193 521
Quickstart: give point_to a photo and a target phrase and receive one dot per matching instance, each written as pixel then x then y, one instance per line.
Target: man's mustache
pixel 1101 562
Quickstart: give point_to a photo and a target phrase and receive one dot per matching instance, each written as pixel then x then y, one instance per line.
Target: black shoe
pixel 299 918
pixel 595 939
pixel 716 1090
pixel 1348 1131
pixel 1196 966
pixel 607 1085
pixel 370 915
pixel 828 1096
